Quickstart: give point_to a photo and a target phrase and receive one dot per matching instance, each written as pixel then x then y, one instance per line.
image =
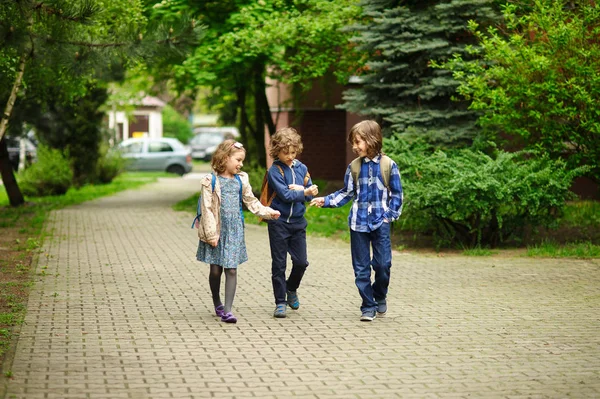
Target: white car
pixel 156 154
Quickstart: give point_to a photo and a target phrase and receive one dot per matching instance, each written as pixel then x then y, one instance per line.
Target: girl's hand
pixel 296 187
pixel 312 190
pixel 276 215
pixel 318 202
pixel 214 242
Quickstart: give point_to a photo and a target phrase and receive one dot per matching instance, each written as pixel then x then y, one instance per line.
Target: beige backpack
pixel 385 165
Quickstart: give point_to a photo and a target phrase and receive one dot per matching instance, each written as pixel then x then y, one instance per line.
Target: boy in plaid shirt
pixel 377 201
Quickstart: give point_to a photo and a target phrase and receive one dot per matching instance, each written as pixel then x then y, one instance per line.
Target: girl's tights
pixel 214 280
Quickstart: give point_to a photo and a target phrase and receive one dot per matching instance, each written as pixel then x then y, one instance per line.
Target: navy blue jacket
pixel 289 202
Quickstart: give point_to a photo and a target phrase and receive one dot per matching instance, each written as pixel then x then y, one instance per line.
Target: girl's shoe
pixel 228 318
pixel 219 310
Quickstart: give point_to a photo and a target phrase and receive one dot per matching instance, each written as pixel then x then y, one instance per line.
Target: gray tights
pixel 214 280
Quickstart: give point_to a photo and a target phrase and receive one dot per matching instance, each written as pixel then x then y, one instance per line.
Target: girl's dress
pixel 231 249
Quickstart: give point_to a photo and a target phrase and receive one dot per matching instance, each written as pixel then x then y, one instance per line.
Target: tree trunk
pixel 13 95
pixel 8 177
pixel 260 102
pixel 241 104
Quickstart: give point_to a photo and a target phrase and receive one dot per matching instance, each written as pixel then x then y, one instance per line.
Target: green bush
pixel 539 81
pixel 50 175
pixel 468 198
pixel 110 165
pixel 256 173
pixel 175 125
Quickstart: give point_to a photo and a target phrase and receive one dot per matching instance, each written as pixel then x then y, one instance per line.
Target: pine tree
pixel 399 88
pixel 67 45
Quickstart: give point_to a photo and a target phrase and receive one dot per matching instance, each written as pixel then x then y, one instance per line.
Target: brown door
pixel 139 126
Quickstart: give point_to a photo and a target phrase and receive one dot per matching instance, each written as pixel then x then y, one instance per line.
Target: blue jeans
pixel 283 238
pixel 361 244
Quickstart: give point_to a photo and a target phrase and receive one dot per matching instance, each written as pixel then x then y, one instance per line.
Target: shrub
pixel 469 198
pixel 539 81
pixel 175 125
pixel 50 175
pixel 110 165
pixel 256 174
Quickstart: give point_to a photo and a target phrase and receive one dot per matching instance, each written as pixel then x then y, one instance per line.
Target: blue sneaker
pixel 279 311
pixel 368 315
pixel 292 300
pixel 381 307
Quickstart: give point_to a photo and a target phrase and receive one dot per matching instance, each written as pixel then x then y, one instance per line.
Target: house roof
pixel 149 101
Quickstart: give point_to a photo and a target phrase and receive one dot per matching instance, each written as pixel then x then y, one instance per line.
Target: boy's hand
pixel 318 202
pixel 276 214
pixel 296 187
pixel 312 190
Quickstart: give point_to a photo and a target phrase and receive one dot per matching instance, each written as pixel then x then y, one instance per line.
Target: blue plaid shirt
pixel 372 201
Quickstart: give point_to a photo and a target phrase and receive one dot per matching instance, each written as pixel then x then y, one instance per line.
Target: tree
pixel 398 86
pixel 539 83
pixel 248 41
pixel 55 43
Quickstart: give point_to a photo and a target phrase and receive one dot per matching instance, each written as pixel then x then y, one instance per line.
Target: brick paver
pixel 121 309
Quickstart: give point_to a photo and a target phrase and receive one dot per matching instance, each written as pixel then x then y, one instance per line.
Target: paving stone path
pixel 121 309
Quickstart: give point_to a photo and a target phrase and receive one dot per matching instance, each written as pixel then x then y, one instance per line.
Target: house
pixel 324 128
pixel 144 121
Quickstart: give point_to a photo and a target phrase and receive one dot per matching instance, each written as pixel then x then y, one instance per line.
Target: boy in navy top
pixel 375 204
pixel 290 181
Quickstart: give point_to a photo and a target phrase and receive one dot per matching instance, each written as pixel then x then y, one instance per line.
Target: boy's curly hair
pixel 284 138
pixel 222 154
pixel 370 132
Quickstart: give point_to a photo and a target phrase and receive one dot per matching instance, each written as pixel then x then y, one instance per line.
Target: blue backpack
pixel 213 181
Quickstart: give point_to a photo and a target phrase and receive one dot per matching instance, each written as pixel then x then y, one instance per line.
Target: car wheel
pixel 177 169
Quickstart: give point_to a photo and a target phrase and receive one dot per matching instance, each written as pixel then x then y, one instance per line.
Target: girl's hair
pixel 221 155
pixel 284 138
pixel 370 132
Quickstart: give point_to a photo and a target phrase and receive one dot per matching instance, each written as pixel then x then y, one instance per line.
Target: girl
pixel 221 227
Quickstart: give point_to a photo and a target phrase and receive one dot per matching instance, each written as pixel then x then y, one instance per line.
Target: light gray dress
pixel 231 249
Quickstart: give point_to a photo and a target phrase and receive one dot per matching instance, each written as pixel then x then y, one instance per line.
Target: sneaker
pixel 228 318
pixel 279 311
pixel 368 315
pixel 381 307
pixel 292 300
pixel 219 310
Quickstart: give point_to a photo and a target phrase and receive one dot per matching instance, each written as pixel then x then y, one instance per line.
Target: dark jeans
pixel 360 244
pixel 287 238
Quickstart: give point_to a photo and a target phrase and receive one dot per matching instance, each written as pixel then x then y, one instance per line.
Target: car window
pixel 159 146
pixel 208 139
pixel 132 148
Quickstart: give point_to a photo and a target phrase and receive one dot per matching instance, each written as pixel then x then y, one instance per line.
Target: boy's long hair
pixel 221 155
pixel 370 132
pixel 284 138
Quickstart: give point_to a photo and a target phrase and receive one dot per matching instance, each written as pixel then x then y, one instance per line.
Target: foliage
pixel 470 198
pixel 539 81
pixel 58 50
pixel 110 165
pixel 175 125
pixel 76 128
pixel 397 86
pixel 50 175
pixel 256 173
pixel 248 41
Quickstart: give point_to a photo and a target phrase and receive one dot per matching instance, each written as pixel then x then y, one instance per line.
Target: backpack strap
pixel 196 220
pixel 355 170
pixel 385 166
